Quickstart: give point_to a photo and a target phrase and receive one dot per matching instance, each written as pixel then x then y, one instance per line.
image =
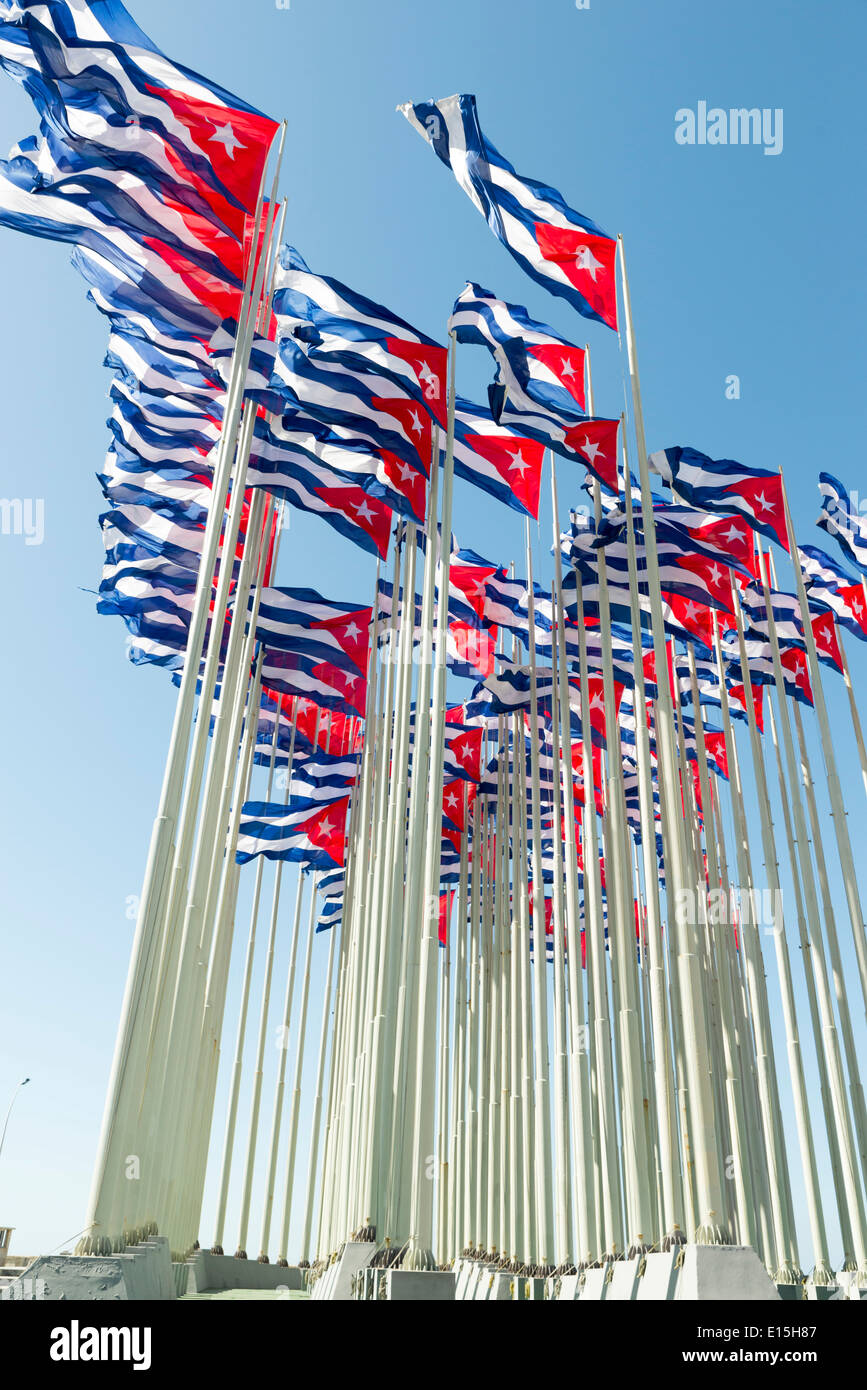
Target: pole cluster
pixel 558 1023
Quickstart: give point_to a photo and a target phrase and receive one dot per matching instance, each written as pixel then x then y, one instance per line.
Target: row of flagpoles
pixel 547 1032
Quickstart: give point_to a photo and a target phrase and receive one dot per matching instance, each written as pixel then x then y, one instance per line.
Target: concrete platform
pixel 143 1273
pixel 625 1280
pixel 659 1280
pixel 420 1286
pixel 724 1274
pixel 335 1285
pixel 213 1273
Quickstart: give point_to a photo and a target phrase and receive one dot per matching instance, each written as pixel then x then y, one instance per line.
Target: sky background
pixel 740 263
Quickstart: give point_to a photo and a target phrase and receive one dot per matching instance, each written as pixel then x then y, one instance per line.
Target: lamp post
pixel 21 1084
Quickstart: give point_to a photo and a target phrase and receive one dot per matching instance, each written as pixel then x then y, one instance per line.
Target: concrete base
pixel 501 1287
pixel 335 1285
pixel 143 1273
pixel 724 1274
pixel 659 1281
pixel 485 1283
pixel 596 1286
pixel 624 1280
pixel 420 1286
pixel 209 1272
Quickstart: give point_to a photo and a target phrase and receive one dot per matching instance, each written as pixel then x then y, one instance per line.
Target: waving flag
pixel 339 325
pixel 324 684
pixel 497 461
pixel 831 587
pixel 356 403
pixel 303 832
pixel 302 621
pixel 721 485
pixel 593 442
pixel 301 448
pixel 840 519
pixel 537 368
pixel 557 246
pixel 108 91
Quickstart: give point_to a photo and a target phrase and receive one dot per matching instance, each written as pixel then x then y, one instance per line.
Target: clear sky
pixel 740 262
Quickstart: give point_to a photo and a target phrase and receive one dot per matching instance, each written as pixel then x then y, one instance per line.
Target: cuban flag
pixel 840 519
pixel 337 324
pixel 536 367
pixel 593 442
pixel 300 446
pixel 502 464
pixel 109 91
pixel 829 586
pixel 302 621
pixel 722 485
pixel 360 404
pixel 322 683
pixel 558 247
pixel 303 832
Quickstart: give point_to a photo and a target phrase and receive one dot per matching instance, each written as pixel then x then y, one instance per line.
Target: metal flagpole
pixel 838 809
pixel 316 1118
pixel 419 1254
pixel 295 1101
pixel 578 1051
pixel 708 1176
pixel 103 1231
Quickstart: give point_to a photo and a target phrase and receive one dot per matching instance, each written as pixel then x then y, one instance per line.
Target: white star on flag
pixel 326 828
pixel 353 631
pixel 568 369
pixel 585 260
pixel 763 502
pixel 591 450
pixel 364 513
pixel 520 463
pixel 225 136
pixel 416 423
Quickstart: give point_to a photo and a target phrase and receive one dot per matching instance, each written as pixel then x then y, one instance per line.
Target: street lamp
pixel 9 1111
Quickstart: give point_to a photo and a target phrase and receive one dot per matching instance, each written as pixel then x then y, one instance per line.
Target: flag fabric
pixel 593 442
pixel 829 586
pixel 559 248
pixel 336 324
pixel 502 464
pixel 303 832
pixel 840 519
pixel 722 485
pixel 537 368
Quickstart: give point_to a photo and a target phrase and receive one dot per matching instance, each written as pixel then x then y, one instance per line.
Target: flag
pixel 840 519
pixel 497 461
pixel 536 367
pixel 303 832
pixel 557 246
pixel 336 324
pixel 831 587
pixel 722 485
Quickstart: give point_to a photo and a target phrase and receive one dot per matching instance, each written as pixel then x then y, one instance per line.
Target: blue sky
pixel 740 263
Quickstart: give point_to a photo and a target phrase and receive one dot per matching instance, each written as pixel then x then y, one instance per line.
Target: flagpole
pixel 708 1177
pixel 838 809
pixel 542 1144
pixel 103 1233
pixel 419 1254
pixel 587 1237
pixel 316 1118
pixel 295 1100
